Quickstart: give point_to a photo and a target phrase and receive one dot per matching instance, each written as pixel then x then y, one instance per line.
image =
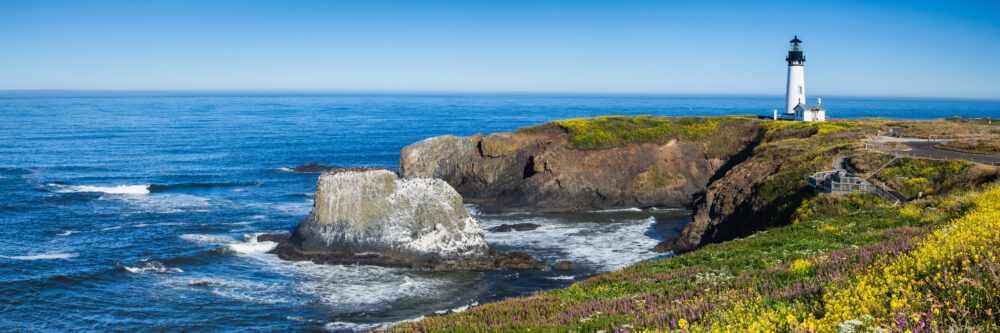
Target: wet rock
pixel 563 266
pixel 313 167
pixel 514 227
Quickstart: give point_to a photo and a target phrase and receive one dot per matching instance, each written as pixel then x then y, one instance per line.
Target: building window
pixel 800 90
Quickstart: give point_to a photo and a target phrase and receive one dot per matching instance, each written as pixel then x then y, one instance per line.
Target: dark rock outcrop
pixel 514 227
pixel 725 211
pixel 313 167
pixel 370 216
pixel 543 172
pixel 763 189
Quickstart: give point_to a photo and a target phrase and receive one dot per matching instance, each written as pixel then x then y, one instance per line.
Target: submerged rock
pixel 370 216
pixel 514 227
pixel 563 266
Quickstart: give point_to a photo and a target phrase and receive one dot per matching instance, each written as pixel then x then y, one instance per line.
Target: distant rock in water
pixel 514 227
pixel 370 216
pixel 314 167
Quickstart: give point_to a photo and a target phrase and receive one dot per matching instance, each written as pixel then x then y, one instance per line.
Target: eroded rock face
pixel 370 216
pixel 374 211
pixel 526 172
pixel 725 212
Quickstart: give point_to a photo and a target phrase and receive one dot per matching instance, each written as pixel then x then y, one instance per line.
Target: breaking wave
pixel 42 256
pixel 120 189
pixel 154 267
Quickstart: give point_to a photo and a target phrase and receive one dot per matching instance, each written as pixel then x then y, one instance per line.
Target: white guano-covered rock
pixel 373 211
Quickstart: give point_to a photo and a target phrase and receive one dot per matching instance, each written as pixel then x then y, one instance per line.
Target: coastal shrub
pixel 912 176
pixel 722 136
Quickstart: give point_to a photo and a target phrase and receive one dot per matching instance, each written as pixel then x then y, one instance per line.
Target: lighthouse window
pixel 800 90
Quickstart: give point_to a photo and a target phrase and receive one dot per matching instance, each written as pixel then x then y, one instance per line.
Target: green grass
pixel 723 136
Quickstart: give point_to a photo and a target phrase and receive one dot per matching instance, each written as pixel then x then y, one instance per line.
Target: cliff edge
pixel 737 174
pixel 541 168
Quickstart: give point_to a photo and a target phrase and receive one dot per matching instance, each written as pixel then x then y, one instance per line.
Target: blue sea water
pixel 135 212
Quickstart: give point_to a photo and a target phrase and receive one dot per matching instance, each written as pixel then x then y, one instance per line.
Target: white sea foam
pixel 208 239
pixel 458 309
pixel 633 209
pixel 165 203
pixel 68 232
pixel 561 277
pixel 251 246
pixel 655 209
pixel 286 169
pixel 358 287
pixel 606 245
pixel 120 189
pixel 363 327
pixel 237 289
pixel 154 267
pixel 42 256
pixel 143 225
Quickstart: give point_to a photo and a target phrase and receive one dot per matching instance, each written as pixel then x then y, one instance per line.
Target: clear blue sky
pixel 876 48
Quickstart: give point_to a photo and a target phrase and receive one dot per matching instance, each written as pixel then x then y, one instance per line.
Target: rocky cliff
pixel 541 170
pixel 738 175
pixel 370 216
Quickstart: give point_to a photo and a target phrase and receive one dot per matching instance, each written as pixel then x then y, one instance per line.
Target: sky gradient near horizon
pixel 858 48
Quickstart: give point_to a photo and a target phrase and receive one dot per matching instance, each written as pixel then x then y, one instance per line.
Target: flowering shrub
pixel 949 278
pixel 928 267
pixel 913 176
pixel 800 266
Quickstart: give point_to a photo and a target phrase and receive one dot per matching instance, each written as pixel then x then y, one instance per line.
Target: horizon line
pixel 4 93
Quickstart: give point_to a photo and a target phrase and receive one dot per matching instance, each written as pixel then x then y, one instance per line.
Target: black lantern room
pixel 795 57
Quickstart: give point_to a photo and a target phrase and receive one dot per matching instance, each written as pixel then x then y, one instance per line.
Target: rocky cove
pixel 716 167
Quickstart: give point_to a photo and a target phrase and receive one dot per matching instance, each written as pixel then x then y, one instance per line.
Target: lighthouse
pixel 795 92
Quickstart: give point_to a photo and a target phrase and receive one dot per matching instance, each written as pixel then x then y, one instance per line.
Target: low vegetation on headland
pixel 973 135
pixel 840 263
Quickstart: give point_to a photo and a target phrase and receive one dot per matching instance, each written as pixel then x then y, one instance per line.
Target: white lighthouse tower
pixel 795 92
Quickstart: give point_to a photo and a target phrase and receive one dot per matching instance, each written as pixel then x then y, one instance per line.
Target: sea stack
pixel 371 216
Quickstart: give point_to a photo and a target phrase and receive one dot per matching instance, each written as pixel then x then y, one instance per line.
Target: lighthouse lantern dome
pixel 795 44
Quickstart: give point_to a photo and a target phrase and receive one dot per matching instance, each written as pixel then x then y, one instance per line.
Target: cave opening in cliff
pixel 529 168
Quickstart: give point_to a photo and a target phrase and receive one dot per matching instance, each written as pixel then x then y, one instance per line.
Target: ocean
pixel 137 211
